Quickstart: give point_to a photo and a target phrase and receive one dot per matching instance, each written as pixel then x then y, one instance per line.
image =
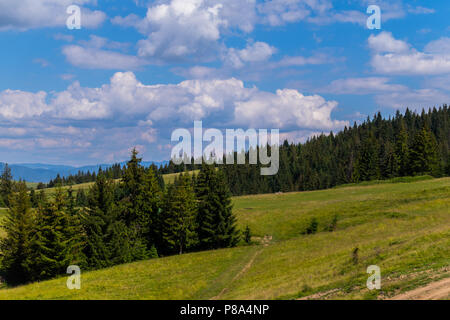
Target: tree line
pixel 404 145
pixel 122 221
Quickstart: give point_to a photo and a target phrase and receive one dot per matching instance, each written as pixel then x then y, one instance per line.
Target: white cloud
pixel 420 10
pixel 181 29
pixel 287 109
pixel 391 56
pixel 385 42
pixel 94 58
pixel 31 14
pixel 440 46
pixel 126 112
pixel 223 102
pixel 393 95
pixel 253 52
pixel 363 86
pixel 414 99
pixel 297 61
pixel 198 72
pixel 15 104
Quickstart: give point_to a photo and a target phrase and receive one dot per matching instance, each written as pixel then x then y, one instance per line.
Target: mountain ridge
pixel 40 172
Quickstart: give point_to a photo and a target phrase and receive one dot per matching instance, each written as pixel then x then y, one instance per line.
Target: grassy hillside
pixel 404 228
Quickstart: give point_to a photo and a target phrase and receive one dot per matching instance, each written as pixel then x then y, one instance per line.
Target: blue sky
pixel 137 70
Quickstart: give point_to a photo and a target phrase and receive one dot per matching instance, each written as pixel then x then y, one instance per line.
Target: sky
pixel 137 70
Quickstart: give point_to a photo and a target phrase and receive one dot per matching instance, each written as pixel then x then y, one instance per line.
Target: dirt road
pixel 434 291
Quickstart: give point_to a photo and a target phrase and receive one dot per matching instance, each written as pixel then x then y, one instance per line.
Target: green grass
pixel 170 178
pixel 402 227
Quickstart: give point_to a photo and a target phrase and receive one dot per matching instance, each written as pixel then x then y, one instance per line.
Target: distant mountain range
pixel 39 172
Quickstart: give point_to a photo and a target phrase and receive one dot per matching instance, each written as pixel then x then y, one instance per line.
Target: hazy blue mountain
pixel 40 172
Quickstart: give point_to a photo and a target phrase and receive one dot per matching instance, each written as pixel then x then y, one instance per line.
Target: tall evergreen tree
pixel 54 240
pixel 402 150
pixel 423 155
pixel 178 217
pixel 16 247
pixel 109 240
pixel 367 163
pixel 6 185
pixel 141 200
pixel 215 220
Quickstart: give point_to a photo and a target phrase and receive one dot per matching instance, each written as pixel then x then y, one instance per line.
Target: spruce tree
pixel 109 240
pixel 6 185
pixel 367 167
pixel 54 240
pixel 81 199
pixel 141 198
pixel 178 217
pixel 16 247
pixel 402 151
pixel 216 221
pixel 423 155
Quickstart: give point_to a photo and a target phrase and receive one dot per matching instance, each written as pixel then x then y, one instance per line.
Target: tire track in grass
pixel 265 242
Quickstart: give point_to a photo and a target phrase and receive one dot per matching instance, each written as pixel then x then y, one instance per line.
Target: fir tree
pixel 97 221
pixel 109 240
pixel 6 185
pixel 402 151
pixel 215 219
pixel 16 247
pixel 423 155
pixel 141 200
pixel 54 239
pixel 178 228
pixel 81 199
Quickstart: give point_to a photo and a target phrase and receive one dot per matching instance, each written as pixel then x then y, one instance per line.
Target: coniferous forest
pixel 120 222
pixel 405 145
pixel 138 217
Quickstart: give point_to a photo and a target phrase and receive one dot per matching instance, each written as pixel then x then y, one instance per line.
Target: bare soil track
pixel 434 291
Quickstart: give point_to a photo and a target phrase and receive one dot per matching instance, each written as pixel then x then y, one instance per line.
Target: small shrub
pixel 247 235
pixel 333 225
pixel 313 226
pixel 355 256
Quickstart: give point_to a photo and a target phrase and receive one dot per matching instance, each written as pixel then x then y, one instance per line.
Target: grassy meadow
pixel 401 226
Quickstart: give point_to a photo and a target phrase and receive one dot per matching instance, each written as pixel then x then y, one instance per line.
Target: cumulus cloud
pixel 385 42
pixel 179 29
pixel 287 109
pixel 97 53
pixel 31 14
pixel 392 56
pixel 127 112
pixel 253 52
pixel 92 58
pixel 15 104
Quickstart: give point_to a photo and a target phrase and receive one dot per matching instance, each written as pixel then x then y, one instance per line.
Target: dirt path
pixel 433 291
pixel 265 242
